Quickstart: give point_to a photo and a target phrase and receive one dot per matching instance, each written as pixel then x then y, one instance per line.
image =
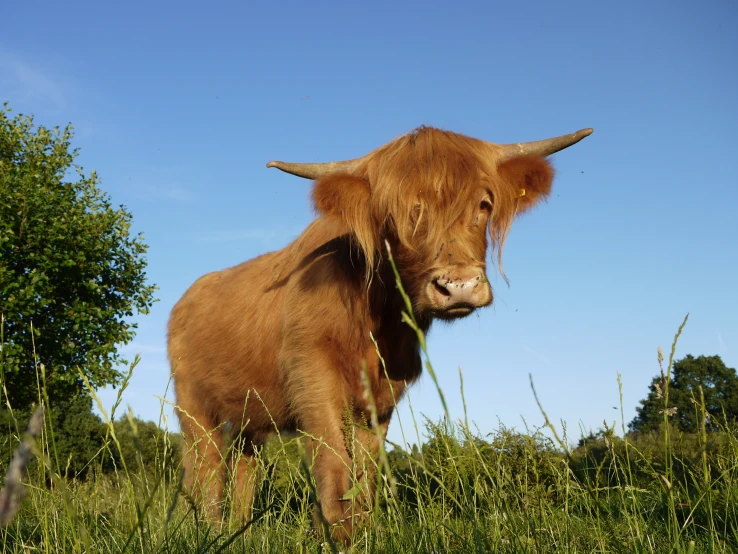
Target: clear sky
pixel 179 105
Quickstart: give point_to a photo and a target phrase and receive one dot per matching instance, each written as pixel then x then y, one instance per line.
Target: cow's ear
pixel 530 177
pixel 349 198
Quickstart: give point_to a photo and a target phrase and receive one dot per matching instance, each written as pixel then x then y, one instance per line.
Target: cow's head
pixel 437 198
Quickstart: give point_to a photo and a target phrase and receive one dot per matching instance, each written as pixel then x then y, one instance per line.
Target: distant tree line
pixel 82 444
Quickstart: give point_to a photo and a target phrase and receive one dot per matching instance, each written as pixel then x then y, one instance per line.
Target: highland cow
pixel 280 342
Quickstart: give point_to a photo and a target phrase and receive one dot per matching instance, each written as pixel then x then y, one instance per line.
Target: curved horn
pixel 542 147
pixel 317 170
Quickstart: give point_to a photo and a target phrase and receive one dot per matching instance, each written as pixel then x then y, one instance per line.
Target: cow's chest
pixel 387 381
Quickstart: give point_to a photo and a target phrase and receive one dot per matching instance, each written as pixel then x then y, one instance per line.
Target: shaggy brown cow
pixel 279 341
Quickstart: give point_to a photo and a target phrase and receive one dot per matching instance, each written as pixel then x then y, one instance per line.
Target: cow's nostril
pixel 441 289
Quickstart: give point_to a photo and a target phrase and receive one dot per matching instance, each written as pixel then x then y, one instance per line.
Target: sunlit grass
pixel 459 492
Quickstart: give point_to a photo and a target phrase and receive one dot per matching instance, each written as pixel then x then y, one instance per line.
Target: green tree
pixel 719 385
pixel 71 274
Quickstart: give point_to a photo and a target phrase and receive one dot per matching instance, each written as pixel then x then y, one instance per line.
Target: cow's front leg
pixel 317 392
pixel 365 455
pixel 344 462
pixel 332 468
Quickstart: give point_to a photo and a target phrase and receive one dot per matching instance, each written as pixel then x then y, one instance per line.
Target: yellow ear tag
pixel 522 192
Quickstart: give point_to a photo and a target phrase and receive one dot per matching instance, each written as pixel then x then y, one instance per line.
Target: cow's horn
pixel 317 170
pixel 542 147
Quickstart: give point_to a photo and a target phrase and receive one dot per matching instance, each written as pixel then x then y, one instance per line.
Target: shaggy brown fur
pixel 279 341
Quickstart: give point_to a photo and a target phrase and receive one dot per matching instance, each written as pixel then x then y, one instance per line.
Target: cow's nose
pixel 457 291
pixel 460 287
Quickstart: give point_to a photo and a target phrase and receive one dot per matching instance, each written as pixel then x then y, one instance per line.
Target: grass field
pixel 459 492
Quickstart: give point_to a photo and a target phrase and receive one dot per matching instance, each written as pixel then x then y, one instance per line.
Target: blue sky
pixel 179 106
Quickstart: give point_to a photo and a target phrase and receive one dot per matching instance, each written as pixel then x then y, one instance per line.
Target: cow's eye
pixel 484 211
